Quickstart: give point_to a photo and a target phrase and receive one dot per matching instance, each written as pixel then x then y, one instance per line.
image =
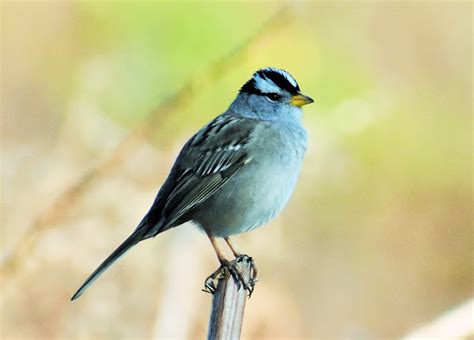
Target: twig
pixel 60 208
pixel 228 304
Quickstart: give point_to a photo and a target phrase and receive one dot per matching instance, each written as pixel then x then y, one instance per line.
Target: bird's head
pixel 271 93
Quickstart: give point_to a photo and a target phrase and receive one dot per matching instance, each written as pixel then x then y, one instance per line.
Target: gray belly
pixel 256 193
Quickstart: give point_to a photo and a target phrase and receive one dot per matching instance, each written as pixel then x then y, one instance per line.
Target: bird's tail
pixel 133 239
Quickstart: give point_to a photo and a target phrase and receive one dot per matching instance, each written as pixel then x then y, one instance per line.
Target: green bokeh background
pixel 377 239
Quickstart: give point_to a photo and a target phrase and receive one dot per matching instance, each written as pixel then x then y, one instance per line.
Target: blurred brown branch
pixel 60 208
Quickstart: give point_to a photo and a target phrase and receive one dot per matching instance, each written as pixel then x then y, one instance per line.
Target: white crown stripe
pixel 266 85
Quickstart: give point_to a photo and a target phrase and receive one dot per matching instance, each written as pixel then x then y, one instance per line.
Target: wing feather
pixel 206 163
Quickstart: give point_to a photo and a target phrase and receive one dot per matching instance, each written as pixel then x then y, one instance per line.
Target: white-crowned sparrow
pixel 237 172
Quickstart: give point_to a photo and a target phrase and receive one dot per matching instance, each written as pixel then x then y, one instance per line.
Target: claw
pixel 233 269
pixel 210 284
pixel 250 285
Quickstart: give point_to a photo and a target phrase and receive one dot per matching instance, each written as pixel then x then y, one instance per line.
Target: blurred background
pixel 98 97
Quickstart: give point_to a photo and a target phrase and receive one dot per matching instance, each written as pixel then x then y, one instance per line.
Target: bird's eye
pixel 273 96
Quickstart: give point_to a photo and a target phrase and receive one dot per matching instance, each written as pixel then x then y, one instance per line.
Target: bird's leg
pixel 235 252
pixel 227 267
pixel 220 273
pixel 219 254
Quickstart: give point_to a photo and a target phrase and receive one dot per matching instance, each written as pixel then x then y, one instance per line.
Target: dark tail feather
pixel 133 239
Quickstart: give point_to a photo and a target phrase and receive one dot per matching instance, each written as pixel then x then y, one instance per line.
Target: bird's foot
pixel 210 284
pixel 248 285
pixel 234 269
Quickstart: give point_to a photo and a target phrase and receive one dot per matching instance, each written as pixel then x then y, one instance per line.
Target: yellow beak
pixel 300 100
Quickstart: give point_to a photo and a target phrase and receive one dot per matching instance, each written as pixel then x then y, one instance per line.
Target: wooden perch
pixel 228 303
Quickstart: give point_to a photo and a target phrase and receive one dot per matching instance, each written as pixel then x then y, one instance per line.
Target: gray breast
pixel 260 190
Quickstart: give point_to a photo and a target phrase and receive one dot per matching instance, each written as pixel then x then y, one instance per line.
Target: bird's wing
pixel 206 163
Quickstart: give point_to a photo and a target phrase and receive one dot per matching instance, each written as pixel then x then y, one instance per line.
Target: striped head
pixel 275 86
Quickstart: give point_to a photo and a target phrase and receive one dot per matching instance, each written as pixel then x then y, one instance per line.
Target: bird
pixel 236 173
